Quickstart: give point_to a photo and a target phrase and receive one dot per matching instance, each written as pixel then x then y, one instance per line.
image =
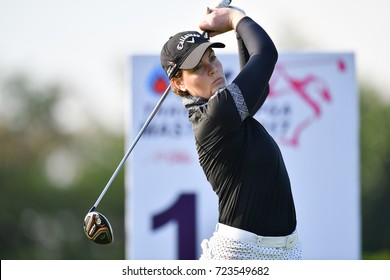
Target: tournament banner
pixel 312 112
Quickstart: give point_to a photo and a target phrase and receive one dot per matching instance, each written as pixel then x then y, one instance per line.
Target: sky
pixel 84 45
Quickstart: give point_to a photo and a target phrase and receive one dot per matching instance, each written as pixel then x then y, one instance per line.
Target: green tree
pixel 41 217
pixel 375 175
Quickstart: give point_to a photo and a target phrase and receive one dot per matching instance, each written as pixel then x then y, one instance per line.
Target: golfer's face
pixel 206 78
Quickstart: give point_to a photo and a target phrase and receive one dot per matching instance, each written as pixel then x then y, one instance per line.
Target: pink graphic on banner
pixel 296 102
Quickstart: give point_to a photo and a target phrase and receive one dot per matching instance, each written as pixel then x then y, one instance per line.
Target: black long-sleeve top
pixel 242 162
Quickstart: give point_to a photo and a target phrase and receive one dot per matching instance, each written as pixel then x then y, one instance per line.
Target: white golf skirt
pixel 229 243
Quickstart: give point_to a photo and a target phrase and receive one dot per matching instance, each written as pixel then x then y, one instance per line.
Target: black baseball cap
pixel 184 51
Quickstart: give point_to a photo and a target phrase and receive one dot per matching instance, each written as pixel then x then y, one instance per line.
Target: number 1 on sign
pixel 184 213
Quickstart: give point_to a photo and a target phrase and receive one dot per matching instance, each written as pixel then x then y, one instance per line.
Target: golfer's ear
pixel 178 83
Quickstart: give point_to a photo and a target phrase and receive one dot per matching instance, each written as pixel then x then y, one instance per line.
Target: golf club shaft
pixel 156 108
pixel 222 3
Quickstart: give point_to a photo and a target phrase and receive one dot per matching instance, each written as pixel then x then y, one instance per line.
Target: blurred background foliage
pixel 51 173
pixel 375 174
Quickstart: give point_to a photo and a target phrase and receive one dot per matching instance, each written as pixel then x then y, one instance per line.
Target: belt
pixel 287 241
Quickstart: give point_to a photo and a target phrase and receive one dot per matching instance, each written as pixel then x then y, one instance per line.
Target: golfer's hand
pixel 220 20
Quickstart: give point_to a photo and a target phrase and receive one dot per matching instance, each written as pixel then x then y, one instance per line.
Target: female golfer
pixel 240 159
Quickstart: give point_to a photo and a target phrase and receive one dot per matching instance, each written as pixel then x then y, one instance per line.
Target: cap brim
pixel 196 55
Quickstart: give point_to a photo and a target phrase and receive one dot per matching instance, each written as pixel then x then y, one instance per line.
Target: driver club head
pixel 98 228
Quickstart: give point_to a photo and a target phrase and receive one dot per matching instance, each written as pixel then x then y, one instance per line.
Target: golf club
pixel 96 226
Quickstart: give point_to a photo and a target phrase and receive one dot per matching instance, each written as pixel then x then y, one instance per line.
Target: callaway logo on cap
pixel 183 39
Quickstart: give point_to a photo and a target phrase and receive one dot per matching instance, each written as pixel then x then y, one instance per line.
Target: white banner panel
pixel 312 112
